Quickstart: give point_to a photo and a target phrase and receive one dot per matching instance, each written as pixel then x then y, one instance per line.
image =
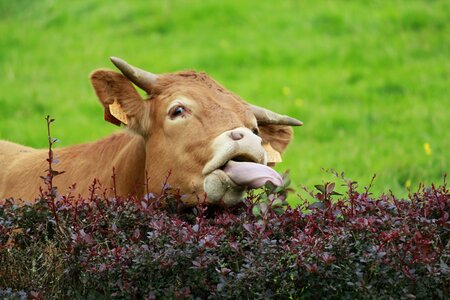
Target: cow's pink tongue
pixel 251 174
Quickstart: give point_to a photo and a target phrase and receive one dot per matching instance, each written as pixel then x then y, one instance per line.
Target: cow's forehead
pixel 189 80
pixel 199 87
pixel 215 100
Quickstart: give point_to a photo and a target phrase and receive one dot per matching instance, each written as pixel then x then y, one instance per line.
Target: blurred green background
pixel 370 79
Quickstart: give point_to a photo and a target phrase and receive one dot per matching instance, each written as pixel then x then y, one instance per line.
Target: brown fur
pixel 152 142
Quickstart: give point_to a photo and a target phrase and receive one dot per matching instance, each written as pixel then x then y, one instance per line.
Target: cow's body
pixel 189 126
pixel 21 166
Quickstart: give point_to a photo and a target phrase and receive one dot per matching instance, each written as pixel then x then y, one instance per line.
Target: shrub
pixel 354 247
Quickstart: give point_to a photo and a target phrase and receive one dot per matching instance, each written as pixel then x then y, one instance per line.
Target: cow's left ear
pixel 120 100
pixel 275 140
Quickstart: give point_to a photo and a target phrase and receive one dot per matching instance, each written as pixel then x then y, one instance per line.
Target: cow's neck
pixel 124 152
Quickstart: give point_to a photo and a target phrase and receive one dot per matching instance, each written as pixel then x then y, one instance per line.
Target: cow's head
pixel 209 138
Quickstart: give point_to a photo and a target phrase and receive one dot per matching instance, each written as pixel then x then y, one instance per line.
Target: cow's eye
pixel 177 111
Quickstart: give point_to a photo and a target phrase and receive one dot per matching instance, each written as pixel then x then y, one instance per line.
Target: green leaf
pixel 256 211
pixel 286 180
pixel 320 187
pixel 278 203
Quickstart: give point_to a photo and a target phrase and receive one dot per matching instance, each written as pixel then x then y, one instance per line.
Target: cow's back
pixel 10 154
pixel 8 148
pixel 21 167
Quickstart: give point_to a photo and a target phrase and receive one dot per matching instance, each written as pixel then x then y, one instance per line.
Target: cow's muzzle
pixel 239 162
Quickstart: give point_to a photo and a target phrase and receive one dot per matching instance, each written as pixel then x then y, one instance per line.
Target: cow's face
pixel 209 139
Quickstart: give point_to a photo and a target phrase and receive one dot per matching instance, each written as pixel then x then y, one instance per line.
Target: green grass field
pixel 370 79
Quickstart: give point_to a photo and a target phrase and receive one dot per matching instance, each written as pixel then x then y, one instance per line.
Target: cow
pixel 210 140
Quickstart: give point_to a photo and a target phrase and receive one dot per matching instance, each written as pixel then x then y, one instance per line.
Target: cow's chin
pixel 221 189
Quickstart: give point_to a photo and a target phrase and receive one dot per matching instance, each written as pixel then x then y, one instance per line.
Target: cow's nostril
pixel 236 136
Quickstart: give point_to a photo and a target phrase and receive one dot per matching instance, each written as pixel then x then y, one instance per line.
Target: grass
pixel 369 79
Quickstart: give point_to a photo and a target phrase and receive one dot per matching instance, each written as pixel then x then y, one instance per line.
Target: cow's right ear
pixel 275 139
pixel 120 100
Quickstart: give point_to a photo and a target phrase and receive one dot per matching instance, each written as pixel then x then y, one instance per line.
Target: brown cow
pixel 211 140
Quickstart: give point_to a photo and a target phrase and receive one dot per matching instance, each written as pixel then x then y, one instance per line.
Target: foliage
pixel 352 247
pixel 368 78
pixel 356 246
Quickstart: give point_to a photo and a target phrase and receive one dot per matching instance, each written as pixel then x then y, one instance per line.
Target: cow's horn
pixel 267 117
pixel 143 79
